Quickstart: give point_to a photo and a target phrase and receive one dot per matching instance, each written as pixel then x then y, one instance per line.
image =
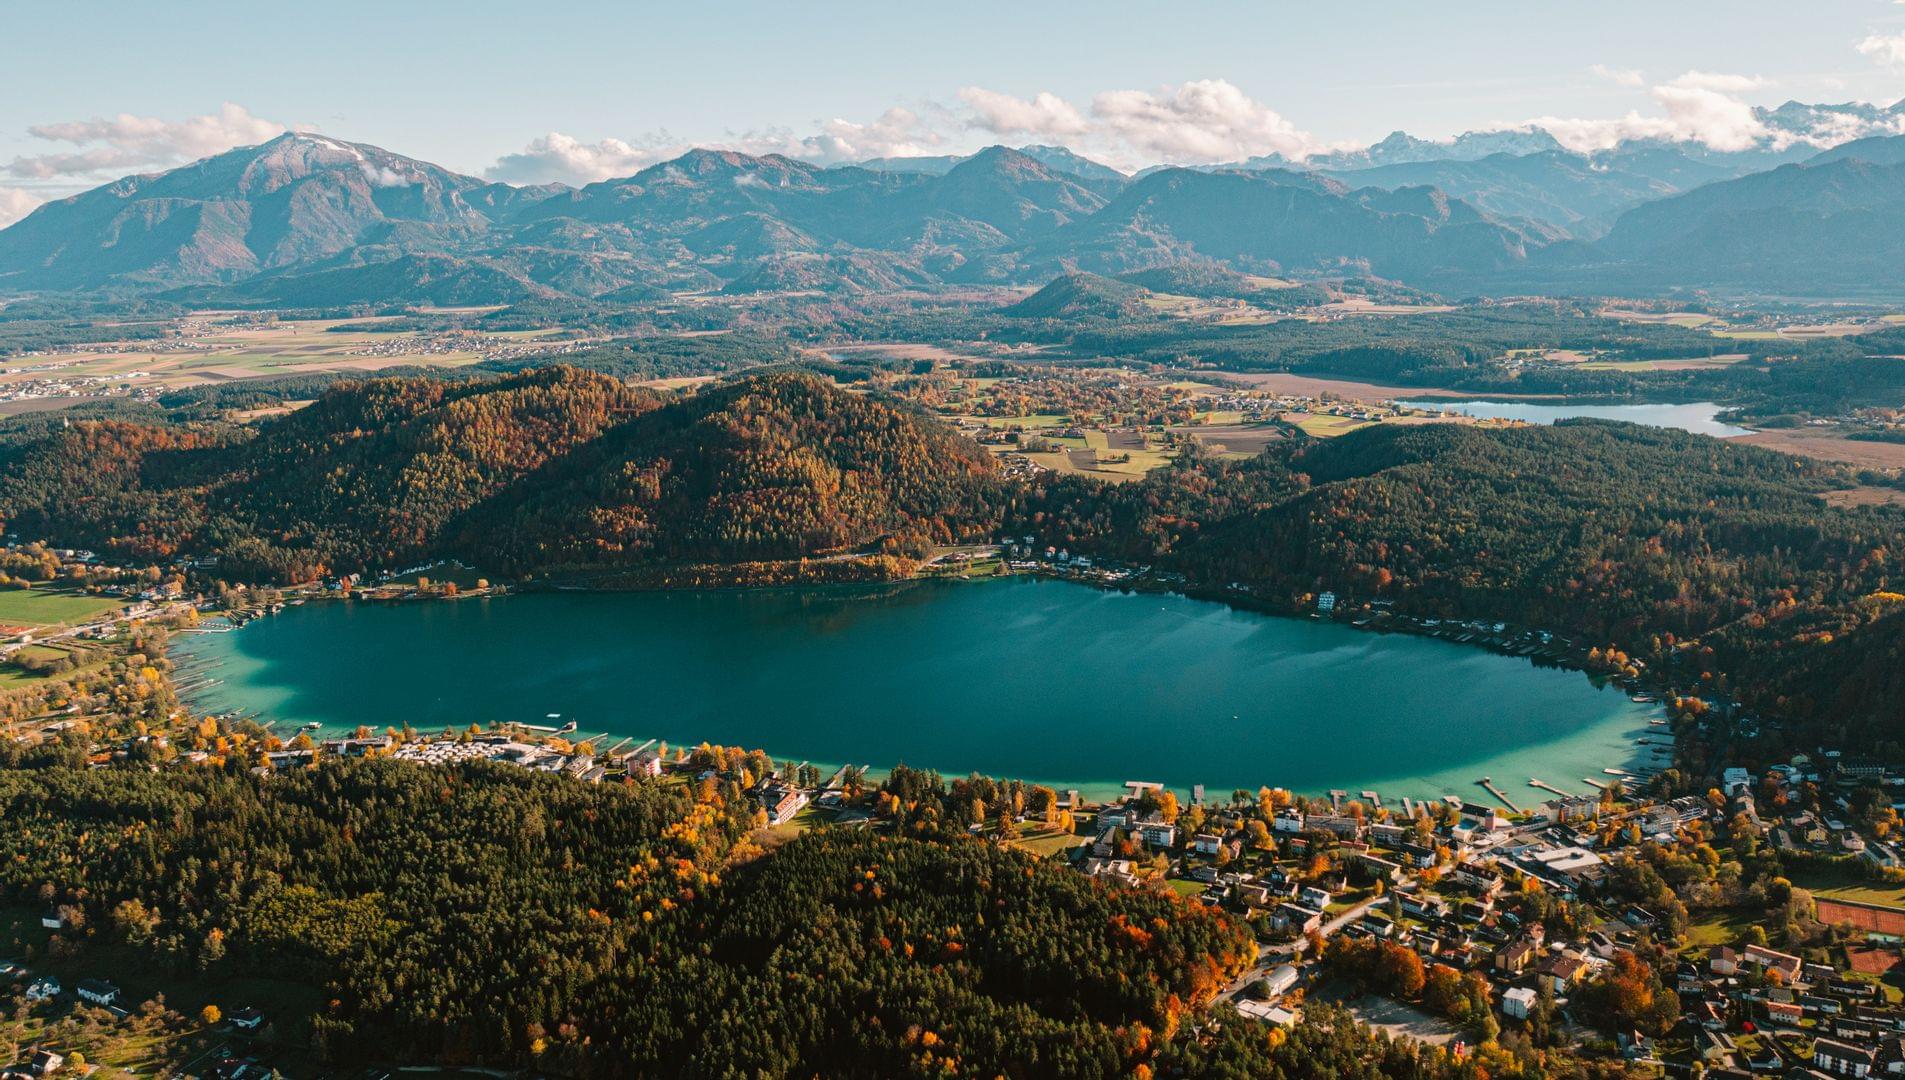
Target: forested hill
pixel 1639 537
pixel 772 467
pixel 545 465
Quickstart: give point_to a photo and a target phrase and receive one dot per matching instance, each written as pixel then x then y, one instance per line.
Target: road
pixel 108 623
pixel 1293 952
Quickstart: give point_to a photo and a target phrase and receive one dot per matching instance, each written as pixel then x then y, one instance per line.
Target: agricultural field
pixel 1828 445
pixel 1235 440
pixel 1325 426
pixel 225 354
pixel 1222 311
pixel 1719 361
pixel 1109 455
pixel 36 609
pixel 1666 318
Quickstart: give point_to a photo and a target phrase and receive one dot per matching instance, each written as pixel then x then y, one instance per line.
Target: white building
pixel 1518 1002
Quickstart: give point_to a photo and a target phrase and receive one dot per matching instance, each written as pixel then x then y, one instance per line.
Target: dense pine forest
pixel 494 915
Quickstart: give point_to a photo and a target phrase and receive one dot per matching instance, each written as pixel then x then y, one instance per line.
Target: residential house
pixel 1118 870
pixel 1519 1002
pixel 1881 854
pixel 1784 1012
pixel 1389 835
pixel 1296 918
pixel 1723 960
pixel 1840 1058
pixel 1762 959
pixel 1341 824
pixel 1515 957
pixel 782 802
pixel 97 992
pixel 1482 878
pixel 1158 833
pixel 1562 970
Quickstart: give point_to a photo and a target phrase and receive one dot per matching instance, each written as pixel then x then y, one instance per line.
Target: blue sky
pixel 576 91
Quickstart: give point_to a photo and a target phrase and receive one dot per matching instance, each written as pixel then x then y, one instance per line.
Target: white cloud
pixel 1884 48
pixel 1207 120
pixel 1627 77
pixel 1699 106
pixel 897 132
pixel 566 159
pixel 1046 115
pixel 15 204
pixel 125 142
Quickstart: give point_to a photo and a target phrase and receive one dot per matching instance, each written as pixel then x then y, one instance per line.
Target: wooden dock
pixel 1488 785
pixel 1534 783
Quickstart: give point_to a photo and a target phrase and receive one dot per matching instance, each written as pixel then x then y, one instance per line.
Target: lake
pixel 1042 680
pixel 1697 417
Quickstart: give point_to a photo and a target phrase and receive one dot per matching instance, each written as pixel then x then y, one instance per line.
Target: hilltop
pixel 525 471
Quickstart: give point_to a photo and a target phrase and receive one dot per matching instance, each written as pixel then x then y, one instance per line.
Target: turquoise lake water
pixel 1042 680
pixel 1697 417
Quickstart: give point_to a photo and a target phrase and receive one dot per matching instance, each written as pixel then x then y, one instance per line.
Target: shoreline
pixel 1618 739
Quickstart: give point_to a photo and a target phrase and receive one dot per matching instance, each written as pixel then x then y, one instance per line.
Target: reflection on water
pixel 1041 680
pixel 1698 417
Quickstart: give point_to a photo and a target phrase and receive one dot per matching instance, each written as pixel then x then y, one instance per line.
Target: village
pixel 1442 919
pixel 1448 919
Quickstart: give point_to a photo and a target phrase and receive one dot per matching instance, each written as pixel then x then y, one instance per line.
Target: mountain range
pixel 308 220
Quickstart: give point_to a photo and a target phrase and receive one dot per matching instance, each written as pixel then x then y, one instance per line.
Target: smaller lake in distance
pixel 1697 417
pixel 1040 680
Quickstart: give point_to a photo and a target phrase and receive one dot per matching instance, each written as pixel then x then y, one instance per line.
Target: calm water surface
pixel 1698 417
pixel 1041 680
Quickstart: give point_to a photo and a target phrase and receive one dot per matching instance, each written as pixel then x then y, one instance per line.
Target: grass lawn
pixel 1328 427
pixel 1185 887
pixel 1047 843
pixel 1848 885
pixel 774 836
pixel 43 607
pixel 1034 422
pixel 1717 928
